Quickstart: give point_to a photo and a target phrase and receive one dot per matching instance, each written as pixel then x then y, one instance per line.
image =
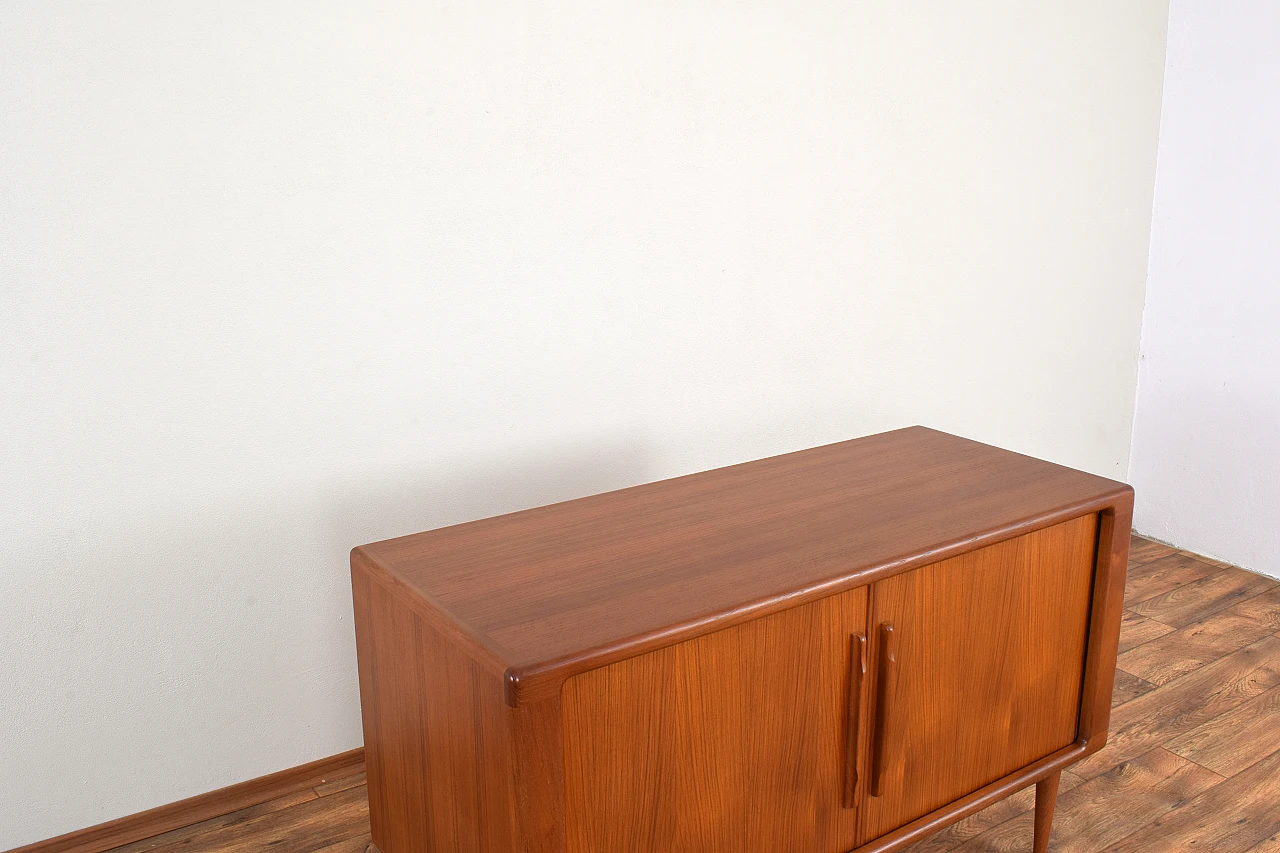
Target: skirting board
pixel 126 830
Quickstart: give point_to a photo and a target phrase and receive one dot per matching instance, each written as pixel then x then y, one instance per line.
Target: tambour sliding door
pixel 977 669
pixel 730 743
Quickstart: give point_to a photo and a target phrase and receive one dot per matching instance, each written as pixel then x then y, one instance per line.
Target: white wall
pixel 1206 438
pixel 281 278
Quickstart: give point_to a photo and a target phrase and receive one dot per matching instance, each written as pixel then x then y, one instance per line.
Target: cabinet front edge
pixel 534 681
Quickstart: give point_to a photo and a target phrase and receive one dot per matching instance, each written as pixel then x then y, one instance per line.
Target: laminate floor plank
pixel 1270 844
pixel 1202 598
pixel 1263 609
pixel 1186 703
pixel 1164 658
pixel 1129 687
pixel 184 834
pixel 1143 550
pixel 303 828
pixel 333 786
pixel 1231 742
pixel 358 844
pixel 1231 817
pixel 1136 630
pixel 1094 816
pixel 1149 580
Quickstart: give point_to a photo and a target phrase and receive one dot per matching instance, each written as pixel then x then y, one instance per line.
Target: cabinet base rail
pixel 977 801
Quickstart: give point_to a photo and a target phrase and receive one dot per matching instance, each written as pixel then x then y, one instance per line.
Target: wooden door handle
pixel 886 678
pixel 857 674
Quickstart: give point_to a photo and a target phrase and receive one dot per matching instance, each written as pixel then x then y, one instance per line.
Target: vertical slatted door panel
pixel 990 654
pixel 729 743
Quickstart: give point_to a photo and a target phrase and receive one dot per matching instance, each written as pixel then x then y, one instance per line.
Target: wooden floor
pixel 1192 763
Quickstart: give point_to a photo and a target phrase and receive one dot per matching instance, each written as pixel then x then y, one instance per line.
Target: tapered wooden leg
pixel 1046 797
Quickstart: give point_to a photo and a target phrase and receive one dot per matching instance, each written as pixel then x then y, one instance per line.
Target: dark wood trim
pixel 886 676
pixel 135 827
pixel 852 726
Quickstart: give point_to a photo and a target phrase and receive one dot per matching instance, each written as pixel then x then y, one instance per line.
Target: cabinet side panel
pixel 729 743
pixel 990 650
pixel 539 782
pixel 436 731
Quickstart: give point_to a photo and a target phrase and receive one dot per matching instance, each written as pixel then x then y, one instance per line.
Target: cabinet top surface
pixel 551 587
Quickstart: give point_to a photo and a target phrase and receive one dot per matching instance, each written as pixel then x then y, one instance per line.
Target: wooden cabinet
pixel 840 649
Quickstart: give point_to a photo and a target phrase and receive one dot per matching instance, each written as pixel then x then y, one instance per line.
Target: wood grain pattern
pixel 1270 844
pixel 355 844
pixel 1231 742
pixel 184 835
pixel 315 824
pixel 1148 580
pixel 436 729
pixel 1186 703
pixel 1230 817
pixel 343 783
pixel 991 652
pixel 1262 610
pixel 1136 630
pixel 1144 550
pixel 540 776
pixel 730 743
pixel 1166 657
pixel 1198 600
pixel 1128 686
pixel 561 589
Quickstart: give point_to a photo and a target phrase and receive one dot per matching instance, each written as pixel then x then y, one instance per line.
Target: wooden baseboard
pixel 126 830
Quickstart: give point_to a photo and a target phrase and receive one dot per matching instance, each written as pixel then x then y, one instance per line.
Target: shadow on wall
pixel 215 643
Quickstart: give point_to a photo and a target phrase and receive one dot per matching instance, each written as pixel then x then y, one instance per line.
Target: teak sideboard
pixel 841 649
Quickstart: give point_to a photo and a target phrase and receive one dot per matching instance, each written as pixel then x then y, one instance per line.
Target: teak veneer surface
pixel 699 723
pixel 549 592
pixel 991 648
pixel 437 757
